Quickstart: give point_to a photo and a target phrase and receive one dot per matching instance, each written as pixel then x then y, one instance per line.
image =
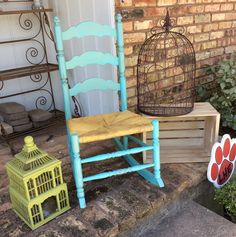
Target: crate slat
pixel 186 138
pixel 176 125
pixel 176 155
pixel 197 133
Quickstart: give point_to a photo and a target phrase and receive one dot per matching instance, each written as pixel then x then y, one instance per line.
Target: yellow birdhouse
pixel 38 193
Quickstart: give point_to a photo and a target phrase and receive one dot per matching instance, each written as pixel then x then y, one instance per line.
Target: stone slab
pixel 114 205
pixel 14 116
pixel 18 121
pixel 7 128
pixel 39 115
pixel 11 108
pixel 191 221
pixel 23 127
pixel 40 124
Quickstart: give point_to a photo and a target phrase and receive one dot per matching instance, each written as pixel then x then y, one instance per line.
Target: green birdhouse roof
pixel 30 158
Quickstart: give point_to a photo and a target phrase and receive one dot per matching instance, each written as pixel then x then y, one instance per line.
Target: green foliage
pixel 227 197
pixel 224 97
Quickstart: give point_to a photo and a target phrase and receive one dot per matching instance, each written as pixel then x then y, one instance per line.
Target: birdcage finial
pixel 29 144
pixel 167 21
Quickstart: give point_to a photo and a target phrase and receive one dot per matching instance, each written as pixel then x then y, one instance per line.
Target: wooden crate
pixel 186 138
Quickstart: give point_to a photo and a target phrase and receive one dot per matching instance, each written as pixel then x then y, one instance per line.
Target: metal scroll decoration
pixel 45 98
pixel 1 84
pixel 166 72
pixel 36 54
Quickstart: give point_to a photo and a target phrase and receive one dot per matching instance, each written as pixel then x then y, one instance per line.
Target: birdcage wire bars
pixel 166 72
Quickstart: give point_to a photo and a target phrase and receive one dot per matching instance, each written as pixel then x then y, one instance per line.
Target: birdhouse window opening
pixel 31 188
pixel 49 206
pixel 63 199
pixel 166 72
pixel 57 175
pixel 44 182
pixel 35 214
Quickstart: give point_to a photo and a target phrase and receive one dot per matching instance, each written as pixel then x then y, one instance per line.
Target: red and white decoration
pixel 222 163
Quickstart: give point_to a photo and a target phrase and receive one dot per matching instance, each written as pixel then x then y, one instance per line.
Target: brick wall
pixel 210 25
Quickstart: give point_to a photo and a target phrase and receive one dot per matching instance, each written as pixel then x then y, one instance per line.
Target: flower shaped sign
pixel 222 163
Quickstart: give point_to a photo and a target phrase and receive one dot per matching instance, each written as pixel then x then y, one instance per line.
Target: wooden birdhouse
pixel 38 193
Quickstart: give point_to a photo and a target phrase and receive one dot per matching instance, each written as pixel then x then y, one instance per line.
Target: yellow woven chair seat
pixel 106 126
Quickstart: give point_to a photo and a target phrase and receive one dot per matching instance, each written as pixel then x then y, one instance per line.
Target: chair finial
pixel 118 17
pixel 56 20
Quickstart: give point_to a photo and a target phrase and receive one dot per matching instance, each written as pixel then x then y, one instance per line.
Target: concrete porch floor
pixel 114 205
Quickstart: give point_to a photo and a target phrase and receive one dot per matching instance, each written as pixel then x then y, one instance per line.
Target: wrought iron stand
pixel 39 65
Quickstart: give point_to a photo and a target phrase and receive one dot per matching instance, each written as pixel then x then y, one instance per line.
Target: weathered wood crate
pixel 186 138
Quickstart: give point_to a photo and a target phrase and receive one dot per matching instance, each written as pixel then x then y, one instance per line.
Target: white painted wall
pixel 71 12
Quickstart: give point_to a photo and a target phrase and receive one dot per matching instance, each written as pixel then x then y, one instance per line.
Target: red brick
pixel 203 1
pixel 185 20
pixel 218 16
pixel 128 50
pixel 225 24
pixel 128 26
pixel 201 37
pixel 134 37
pixel 131 91
pixel 142 3
pixel 227 7
pixel 131 61
pixel 202 18
pixel 194 29
pixel 154 12
pixel 217 52
pixel 186 1
pixel 230 16
pixel 126 3
pixel 230 49
pixel 217 35
pixel 131 81
pixel 196 9
pixel 218 0
pixel 166 2
pixel 212 8
pixel 210 27
pixel 202 55
pixel 181 10
pixel 143 25
pixel 208 45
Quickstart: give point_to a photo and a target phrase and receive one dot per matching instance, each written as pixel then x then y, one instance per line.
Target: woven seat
pixel 106 126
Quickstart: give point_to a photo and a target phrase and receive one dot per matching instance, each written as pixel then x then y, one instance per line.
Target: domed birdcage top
pixel 31 158
pixel 166 72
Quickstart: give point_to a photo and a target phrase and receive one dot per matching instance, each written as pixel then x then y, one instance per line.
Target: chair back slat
pixel 94 84
pixel 92 57
pixel 83 30
pixel 88 29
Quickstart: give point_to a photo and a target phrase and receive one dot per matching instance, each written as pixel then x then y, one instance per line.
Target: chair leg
pixel 70 149
pixel 156 153
pixel 77 170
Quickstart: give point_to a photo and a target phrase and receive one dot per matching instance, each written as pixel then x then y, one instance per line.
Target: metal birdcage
pixel 166 72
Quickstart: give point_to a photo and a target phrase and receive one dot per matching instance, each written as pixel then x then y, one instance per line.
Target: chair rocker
pixel 115 125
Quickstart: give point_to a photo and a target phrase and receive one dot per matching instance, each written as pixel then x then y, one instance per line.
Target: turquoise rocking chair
pixel 119 126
